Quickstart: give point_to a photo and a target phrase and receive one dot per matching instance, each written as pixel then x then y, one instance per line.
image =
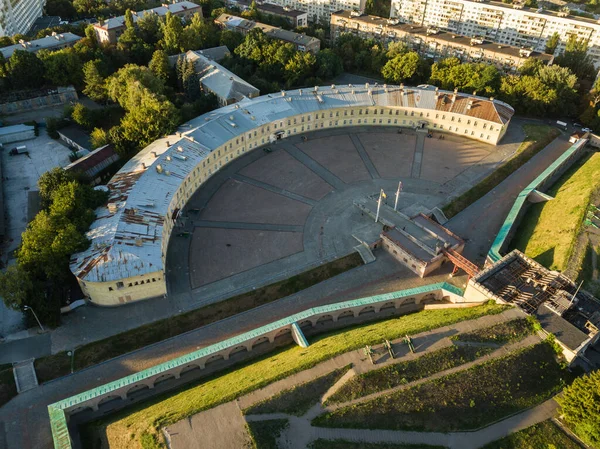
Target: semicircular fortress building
pixel 125 261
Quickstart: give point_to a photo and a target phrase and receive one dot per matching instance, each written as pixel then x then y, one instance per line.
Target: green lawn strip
pixel 57 365
pixel 537 138
pixel 264 434
pixel 403 372
pixel 298 400
pixel 506 332
pixel 465 400
pixel 545 435
pixel 548 230
pixel 344 444
pixel 255 374
pixel 8 388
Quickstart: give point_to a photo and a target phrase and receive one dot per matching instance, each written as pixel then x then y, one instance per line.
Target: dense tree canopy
pixel 451 73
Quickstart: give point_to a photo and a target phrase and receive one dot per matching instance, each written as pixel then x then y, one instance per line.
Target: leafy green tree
pixel 190 81
pixel 451 73
pixel 50 181
pixel 131 44
pixel 16 287
pixel 552 43
pixel 200 34
pixel 62 8
pixel 62 67
pixel 150 28
pixel 159 65
pixel 527 94
pixel 231 39
pixel 24 70
pixel 172 32
pixel 83 116
pixel 120 85
pixel 299 68
pixel 152 117
pixel 95 84
pixel 329 65
pixel 5 41
pixel 99 137
pixel 580 405
pixel 576 58
pixel 405 67
pixel 88 7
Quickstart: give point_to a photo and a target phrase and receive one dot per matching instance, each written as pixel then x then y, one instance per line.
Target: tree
pixel 150 28
pixel 199 34
pixel 451 73
pixel 50 181
pixel 120 86
pixel 95 85
pixel 406 67
pixel 151 118
pixel 580 405
pixel 231 39
pixel 83 116
pixel 62 8
pixel 299 68
pixel 159 65
pixel 25 70
pixel 88 7
pixel 16 287
pixel 172 32
pixel 62 67
pixel 131 44
pixel 5 41
pixel 577 59
pixel 99 138
pixel 329 65
pixel 552 43
pixel 190 81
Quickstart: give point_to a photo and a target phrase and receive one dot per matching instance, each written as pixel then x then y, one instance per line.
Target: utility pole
pixel 398 195
pixel 381 195
pixel 36 318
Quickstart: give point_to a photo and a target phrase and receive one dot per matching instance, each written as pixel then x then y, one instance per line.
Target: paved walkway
pixel 425 342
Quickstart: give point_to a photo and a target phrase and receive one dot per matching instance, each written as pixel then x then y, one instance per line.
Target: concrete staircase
pixel 25 376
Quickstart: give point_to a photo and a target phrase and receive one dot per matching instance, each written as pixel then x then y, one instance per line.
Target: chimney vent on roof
pixel 112 207
pixel 491 98
pixel 316 88
pixel 159 168
pixel 168 144
pixel 154 154
pixel 138 242
pixel 180 149
pixel 144 165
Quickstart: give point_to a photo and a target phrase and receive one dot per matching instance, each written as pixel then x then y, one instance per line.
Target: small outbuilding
pixel 16 133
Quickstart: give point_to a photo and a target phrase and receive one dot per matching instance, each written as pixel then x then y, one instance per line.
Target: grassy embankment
pixel 465 400
pixel 125 429
pixel 537 137
pixel 264 434
pixel 298 400
pixel 545 435
pixel 58 365
pixel 549 230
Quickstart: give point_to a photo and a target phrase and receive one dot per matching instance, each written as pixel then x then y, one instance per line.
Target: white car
pixel 586 130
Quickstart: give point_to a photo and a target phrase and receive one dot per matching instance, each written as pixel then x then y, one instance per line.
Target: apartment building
pixel 295 17
pixel 316 10
pixel 53 42
pixel 302 42
pixel 505 24
pixel 109 30
pixel 17 16
pixel 432 42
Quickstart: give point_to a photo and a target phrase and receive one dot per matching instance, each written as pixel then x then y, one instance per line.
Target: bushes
pixel 580 406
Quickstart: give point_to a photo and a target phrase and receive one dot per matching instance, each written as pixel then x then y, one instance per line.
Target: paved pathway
pixel 364 156
pixel 424 342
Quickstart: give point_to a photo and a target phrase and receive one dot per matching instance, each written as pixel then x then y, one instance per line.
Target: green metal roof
pixel 494 253
pixel 56 410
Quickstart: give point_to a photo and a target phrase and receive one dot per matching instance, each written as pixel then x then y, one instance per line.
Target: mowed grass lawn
pixel 548 230
pixel 124 430
pixel 545 435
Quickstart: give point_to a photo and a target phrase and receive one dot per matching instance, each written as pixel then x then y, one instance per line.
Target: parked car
pixel 577 125
pixel 586 130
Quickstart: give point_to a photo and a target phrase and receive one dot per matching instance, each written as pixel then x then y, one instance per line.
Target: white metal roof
pixel 126 236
